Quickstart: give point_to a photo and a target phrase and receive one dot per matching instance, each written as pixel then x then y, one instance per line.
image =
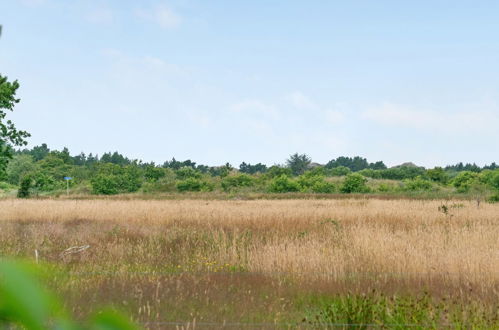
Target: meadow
pixel 286 263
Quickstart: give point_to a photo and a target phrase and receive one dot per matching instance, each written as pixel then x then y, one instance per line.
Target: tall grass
pixel 148 253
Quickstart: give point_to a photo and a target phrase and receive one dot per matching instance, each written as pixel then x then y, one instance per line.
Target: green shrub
pixel 114 179
pixel 370 173
pixel 339 171
pixel 417 184
pixel 354 183
pixel 464 180
pixel 308 180
pixel 236 181
pixel 192 184
pixel 277 171
pixel 494 198
pixel 153 174
pixel 437 174
pixel 187 172
pixel 25 187
pixel 105 184
pixel 282 184
pixel 324 187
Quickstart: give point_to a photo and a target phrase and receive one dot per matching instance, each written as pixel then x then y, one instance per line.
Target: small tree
pixel 298 163
pixel 282 184
pixel 25 187
pixel 9 135
pixel 354 183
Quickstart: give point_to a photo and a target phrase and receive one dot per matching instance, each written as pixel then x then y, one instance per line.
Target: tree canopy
pixel 9 135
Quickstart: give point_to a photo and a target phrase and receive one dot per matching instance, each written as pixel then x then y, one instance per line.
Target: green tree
pixel 236 181
pixel 18 167
pixel 283 184
pixel 464 180
pixel 9 135
pixel 438 174
pixel 25 187
pixel 354 183
pixel 298 163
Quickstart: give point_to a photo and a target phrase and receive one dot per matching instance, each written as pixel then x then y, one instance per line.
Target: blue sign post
pixel 67 178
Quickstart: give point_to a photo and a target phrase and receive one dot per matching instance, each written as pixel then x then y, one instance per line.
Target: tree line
pixel 40 170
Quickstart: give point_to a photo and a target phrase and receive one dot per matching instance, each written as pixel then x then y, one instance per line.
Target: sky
pixel 231 81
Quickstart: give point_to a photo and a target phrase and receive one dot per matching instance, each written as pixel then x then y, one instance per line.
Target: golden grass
pixel 338 236
pixel 329 245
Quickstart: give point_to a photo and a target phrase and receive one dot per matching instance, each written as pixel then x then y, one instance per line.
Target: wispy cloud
pixel 255 107
pixel 476 120
pixel 301 101
pixel 161 15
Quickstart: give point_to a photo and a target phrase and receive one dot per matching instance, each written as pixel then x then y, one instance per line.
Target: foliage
pixel 114 173
pixel 354 183
pixel 19 166
pixel 9 134
pixel 193 184
pixel 187 172
pixel 339 171
pixel 252 169
pixel 355 164
pixel 275 171
pixel 298 163
pixel 113 179
pixel 464 180
pixel 323 187
pixel 437 174
pixel 397 312
pixel 25 303
pixel 316 182
pixel 282 184
pixel 417 184
pixel 25 187
pixel 153 173
pixel 236 181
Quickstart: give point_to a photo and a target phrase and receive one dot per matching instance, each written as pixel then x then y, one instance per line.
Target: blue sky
pixel 255 81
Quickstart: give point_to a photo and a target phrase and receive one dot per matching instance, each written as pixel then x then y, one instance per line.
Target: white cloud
pixel 256 107
pixel 300 101
pixel 334 117
pixel 162 15
pixel 389 114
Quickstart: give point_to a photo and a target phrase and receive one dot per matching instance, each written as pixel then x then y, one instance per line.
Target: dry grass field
pixel 272 262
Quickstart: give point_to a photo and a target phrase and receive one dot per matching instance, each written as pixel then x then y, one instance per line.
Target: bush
pixel 114 179
pixel 324 187
pixel 153 174
pixel 370 173
pixel 308 180
pixel 105 184
pixel 437 175
pixel 494 198
pixel 354 183
pixel 282 184
pixel 339 171
pixel 417 184
pixel 236 181
pixel 187 172
pixel 25 187
pixel 277 171
pixel 192 184
pixel 164 184
pixel 464 180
